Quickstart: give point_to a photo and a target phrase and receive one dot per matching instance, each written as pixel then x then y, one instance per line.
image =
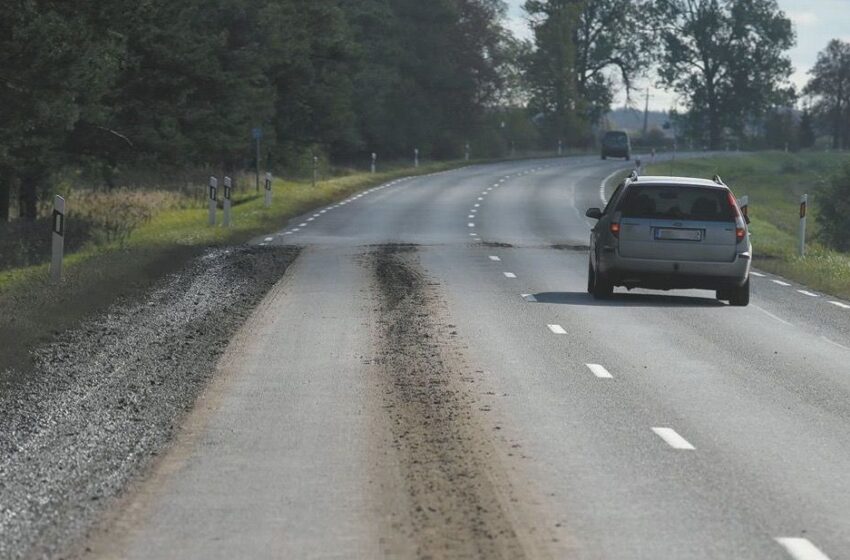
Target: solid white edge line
pixel 835 343
pixel 557 329
pixel 772 316
pixel 605 182
pixel 509 275
pixel 673 439
pixel 801 549
pixel 839 304
pixel 599 371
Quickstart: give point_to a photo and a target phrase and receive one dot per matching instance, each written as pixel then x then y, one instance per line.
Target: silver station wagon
pixel 671 233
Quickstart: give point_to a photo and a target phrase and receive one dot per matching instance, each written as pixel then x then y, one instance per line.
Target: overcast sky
pixel 816 22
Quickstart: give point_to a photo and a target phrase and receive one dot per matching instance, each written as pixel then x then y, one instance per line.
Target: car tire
pixel 604 157
pixel 740 297
pixel 590 278
pixel 598 285
pixel 724 295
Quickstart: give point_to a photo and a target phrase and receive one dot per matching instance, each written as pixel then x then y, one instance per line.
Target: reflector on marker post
pixel 58 239
pixel 374 162
pixel 268 185
pixel 228 188
pixel 213 194
pixel 804 201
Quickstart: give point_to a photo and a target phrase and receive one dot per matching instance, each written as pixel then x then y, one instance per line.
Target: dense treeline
pixel 106 85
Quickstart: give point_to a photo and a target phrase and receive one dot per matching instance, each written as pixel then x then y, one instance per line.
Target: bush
pixel 834 206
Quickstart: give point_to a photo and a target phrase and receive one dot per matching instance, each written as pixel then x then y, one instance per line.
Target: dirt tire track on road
pixel 447 461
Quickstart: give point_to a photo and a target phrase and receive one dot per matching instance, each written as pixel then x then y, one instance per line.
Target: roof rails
pixel 718 180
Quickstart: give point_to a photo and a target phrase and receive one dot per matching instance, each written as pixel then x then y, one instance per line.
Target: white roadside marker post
pixel 416 158
pixel 268 185
pixel 228 187
pixel 213 199
pixel 560 147
pixel 315 170
pixel 58 239
pixel 374 162
pixel 466 152
pixel 804 202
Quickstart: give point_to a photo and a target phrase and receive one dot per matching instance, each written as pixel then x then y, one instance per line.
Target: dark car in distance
pixel 616 143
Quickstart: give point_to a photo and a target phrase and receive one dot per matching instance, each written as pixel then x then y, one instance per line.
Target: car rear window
pixel 676 203
pixel 615 138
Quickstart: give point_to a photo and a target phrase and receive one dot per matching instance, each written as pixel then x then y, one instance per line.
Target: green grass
pixel 774 182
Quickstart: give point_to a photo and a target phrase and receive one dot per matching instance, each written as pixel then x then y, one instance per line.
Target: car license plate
pixel 678 234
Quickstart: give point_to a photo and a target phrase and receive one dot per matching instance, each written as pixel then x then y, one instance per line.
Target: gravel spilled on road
pixel 445 457
pixel 106 397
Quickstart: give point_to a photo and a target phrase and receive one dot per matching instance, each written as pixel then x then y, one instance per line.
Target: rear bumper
pixel 664 274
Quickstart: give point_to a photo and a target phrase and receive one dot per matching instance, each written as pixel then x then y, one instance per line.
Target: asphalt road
pixel 430 379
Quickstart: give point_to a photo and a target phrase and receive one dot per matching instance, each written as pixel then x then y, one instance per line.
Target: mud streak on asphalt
pixel 445 458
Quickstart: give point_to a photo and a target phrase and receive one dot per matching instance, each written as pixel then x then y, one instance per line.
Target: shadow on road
pixel 621 299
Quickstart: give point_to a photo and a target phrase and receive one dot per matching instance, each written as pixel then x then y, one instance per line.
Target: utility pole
pixel 646 114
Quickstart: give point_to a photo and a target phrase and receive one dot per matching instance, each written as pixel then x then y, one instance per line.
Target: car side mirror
pixel 594 213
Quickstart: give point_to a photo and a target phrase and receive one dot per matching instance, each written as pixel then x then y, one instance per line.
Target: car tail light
pixel 615 229
pixel 740 225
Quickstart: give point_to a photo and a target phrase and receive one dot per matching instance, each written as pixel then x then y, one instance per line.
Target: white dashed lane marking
pixel 805 293
pixel 839 304
pixel 495 258
pixel 801 549
pixel 267 239
pixel 470 224
pixel 673 439
pixel 599 371
pixel 557 329
pixel 759 274
pixel 780 282
pixel 509 275
pixel 529 298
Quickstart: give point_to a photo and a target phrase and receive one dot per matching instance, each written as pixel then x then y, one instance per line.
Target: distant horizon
pixel 816 23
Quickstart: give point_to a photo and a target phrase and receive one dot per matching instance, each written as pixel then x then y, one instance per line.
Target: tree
pixel 806 130
pixel 56 67
pixel 726 58
pixel 830 85
pixel 610 35
pixel 552 73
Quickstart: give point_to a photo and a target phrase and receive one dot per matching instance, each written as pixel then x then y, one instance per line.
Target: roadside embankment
pixel 101 400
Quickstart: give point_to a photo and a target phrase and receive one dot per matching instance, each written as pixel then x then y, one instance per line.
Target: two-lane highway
pixel 431 379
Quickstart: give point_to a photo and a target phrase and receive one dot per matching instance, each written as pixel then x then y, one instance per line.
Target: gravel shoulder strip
pixel 447 462
pixel 106 397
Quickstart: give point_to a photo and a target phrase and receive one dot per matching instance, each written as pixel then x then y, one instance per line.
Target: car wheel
pixel 601 288
pixel 724 295
pixel 604 157
pixel 740 297
pixel 590 278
